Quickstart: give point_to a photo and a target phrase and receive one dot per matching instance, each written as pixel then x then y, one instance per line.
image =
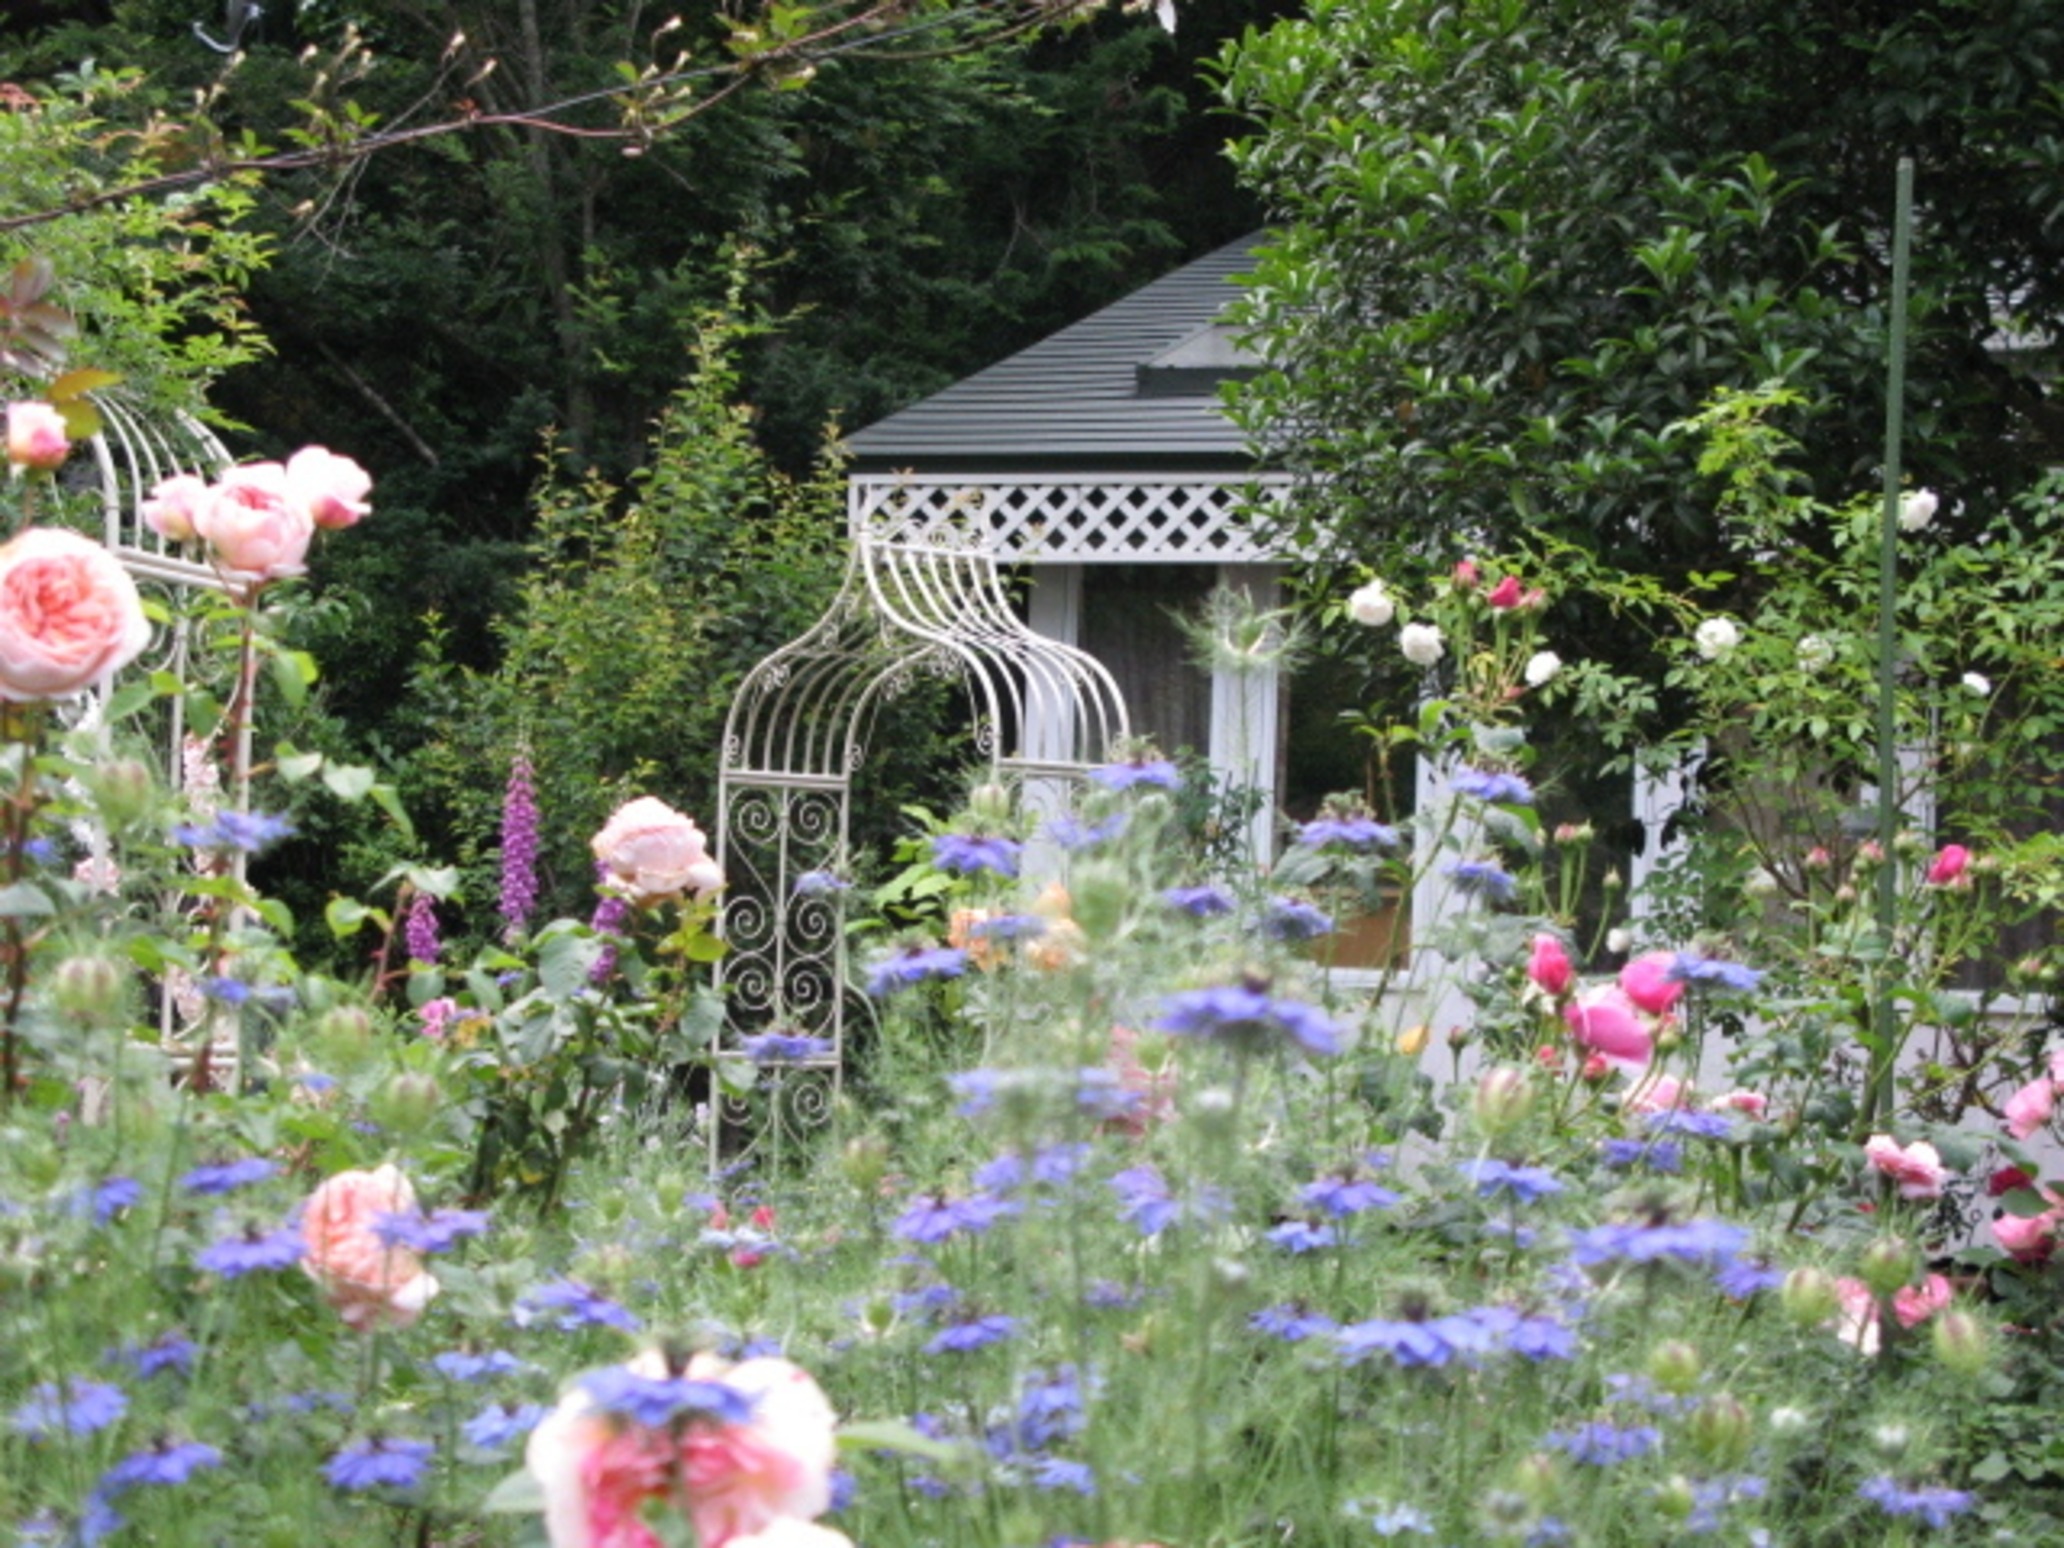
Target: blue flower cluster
pixel 914 966
pixel 1495 788
pixel 967 853
pixel 1244 1016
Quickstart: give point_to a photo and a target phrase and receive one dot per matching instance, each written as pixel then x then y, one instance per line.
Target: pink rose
pixel 1549 966
pixel 763 1478
pixel 1467 575
pixel 2029 1108
pixel 1604 1021
pixel 1507 594
pixel 2030 1238
pixel 69 615
pixel 1917 1303
pixel 330 488
pixel 1664 1094
pixel 371 1283
pixel 1751 1104
pixel 253 531
pixel 1916 1168
pixel 1947 868
pixel 171 508
pixel 652 853
pixel 1648 984
pixel 36 437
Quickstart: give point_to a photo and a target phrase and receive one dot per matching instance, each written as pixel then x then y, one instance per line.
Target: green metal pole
pixel 1878 1094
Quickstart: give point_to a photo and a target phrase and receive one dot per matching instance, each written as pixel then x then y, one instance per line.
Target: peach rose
pixel 36 436
pixel 69 615
pixel 370 1282
pixel 653 853
pixel 764 1479
pixel 170 510
pixel 330 488
pixel 255 533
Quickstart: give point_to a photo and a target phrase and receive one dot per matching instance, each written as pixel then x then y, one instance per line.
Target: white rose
pixel 1421 644
pixel 1978 683
pixel 1541 665
pixel 1371 605
pixel 1716 637
pixel 1815 653
pixel 1917 509
pixel 1618 939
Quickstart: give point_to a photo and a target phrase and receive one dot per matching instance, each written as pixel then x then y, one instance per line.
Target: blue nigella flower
pixel 1055 1473
pixel 1291 1321
pixel 438 1231
pixel 253 1252
pixel 76 1408
pixel 496 1425
pixel 967 853
pixel 656 1401
pixel 784 1047
pixel 934 1217
pixel 1713 1495
pixel 168 1352
pixel 1600 1444
pixel 1745 1277
pixel 168 1462
pixel 1154 773
pixel 1050 1408
pixel 1524 1183
pixel 1408 1343
pixel 575 1306
pixel 1690 968
pixel 914 966
pixel 247 832
pixel 1205 902
pixel 1391 1520
pixel 1242 1015
pixel 1075 835
pixel 976 1333
pixel 1343 1194
pixel 1483 878
pixel 110 1198
pixel 379 1462
pixel 1495 788
pixel 1706 1242
pixel 1009 927
pixel 1361 833
pixel 1287 919
pixel 821 884
pixel 1302 1236
pixel 1697 1125
pixel 1654 1155
pixel 1934 1506
pixel 467 1365
pixel 217 1177
pixel 96 1521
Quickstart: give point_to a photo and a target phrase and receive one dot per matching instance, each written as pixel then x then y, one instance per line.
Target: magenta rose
pixel 1605 1022
pixel 1648 984
pixel 36 436
pixel 1548 965
pixel 69 615
pixel 1948 867
pixel 330 488
pixel 253 531
pixel 651 853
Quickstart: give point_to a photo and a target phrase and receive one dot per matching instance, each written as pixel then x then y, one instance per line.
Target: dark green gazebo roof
pixel 1134 386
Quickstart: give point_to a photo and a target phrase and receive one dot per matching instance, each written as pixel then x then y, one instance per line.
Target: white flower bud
pixel 1978 683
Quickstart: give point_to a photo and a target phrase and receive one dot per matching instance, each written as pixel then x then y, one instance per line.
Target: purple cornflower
pixel 1599 1444
pixel 246 832
pixel 1495 788
pixel 1341 1194
pixel 575 1306
pixel 1302 1236
pixel 784 1047
pixel 1361 833
pixel 253 1251
pixel 167 1352
pixel 1154 773
pixel 76 1408
pixel 1655 1155
pixel 934 1217
pixel 496 1425
pixel 976 1333
pixel 438 1231
pixel 168 1462
pixel 217 1177
pixel 1205 902
pixel 519 845
pixel 1243 1016
pixel 913 966
pixel 612 914
pixel 1524 1183
pixel 1288 919
pixel 1690 968
pixel 1291 1321
pixel 465 1365
pixel 1934 1506
pixel 379 1462
pixel 656 1401
pixel 1483 878
pixel 967 853
pixel 419 930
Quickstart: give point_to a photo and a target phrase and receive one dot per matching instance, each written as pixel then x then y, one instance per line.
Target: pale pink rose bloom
pixel 1917 1303
pixel 330 488
pixel 653 853
pixel 36 436
pixel 2029 1238
pixel 255 534
pixel 1752 1104
pixel 69 615
pixel 1666 1093
pixel 1548 965
pixel 1647 983
pixel 2029 1108
pixel 1949 865
pixel 1604 1021
pixel 1857 1322
pixel 736 1482
pixel 437 1016
pixel 1916 1168
pixel 169 511
pixel 370 1282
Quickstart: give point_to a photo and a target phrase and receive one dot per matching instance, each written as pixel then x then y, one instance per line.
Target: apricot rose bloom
pixel 756 1484
pixel 36 436
pixel 652 853
pixel 330 488
pixel 253 531
pixel 69 615
pixel 371 1283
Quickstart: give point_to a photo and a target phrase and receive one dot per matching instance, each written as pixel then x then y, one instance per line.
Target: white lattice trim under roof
pixel 1111 518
